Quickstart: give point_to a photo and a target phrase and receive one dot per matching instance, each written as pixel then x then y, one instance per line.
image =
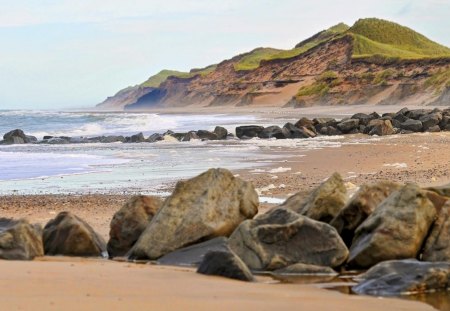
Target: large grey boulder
pixel 289 130
pixel 437 245
pixel 17 136
pixel 129 222
pixel 404 277
pixel 69 235
pixel 248 131
pixel 221 132
pixel 395 230
pixel 207 135
pixel 210 205
pixel 322 204
pixel 20 240
pixel 272 131
pixel 225 263
pixel 347 126
pixel 412 125
pixel 431 120
pixel 360 206
pixel 282 237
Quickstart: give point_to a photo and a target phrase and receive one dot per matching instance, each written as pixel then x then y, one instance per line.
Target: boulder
pixel 322 204
pixel 190 136
pixel 346 126
pixel 361 205
pixel 281 238
pixel 272 131
pixel 221 132
pixel 129 222
pixel 441 190
pixel 304 269
pixel 18 137
pixel 437 245
pixel 306 124
pixel 69 235
pixel 193 255
pixel 329 131
pixel 20 240
pixel 404 277
pixel 291 131
pixel 363 118
pixel 225 263
pixel 412 125
pixel 433 129
pixel 207 135
pixel 155 137
pixel 384 127
pixel 431 120
pixel 416 114
pixel 137 138
pixel 210 205
pixel 395 230
pixel 57 141
pixel 112 139
pixel 248 131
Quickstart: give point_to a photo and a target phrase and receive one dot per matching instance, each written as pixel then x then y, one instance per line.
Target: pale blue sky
pixel 67 54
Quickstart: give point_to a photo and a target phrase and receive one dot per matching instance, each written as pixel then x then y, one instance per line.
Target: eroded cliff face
pixel 324 75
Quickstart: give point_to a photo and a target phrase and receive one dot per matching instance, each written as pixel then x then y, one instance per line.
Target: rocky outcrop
pixel 400 277
pixel 437 245
pixel 225 263
pixel 18 137
pixel 129 222
pixel 361 205
pixel 395 230
pixel 322 204
pixel 282 238
pixel 69 235
pixel 210 205
pixel 20 240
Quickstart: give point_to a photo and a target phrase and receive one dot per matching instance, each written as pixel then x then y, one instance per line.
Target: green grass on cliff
pixel 253 59
pixel 374 36
pixel 160 77
pixel 439 79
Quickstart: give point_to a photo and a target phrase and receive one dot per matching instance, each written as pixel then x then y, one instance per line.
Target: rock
pixel 155 137
pixel 57 141
pixel 69 235
pixel 361 205
pixel 138 138
pixel 18 137
pixel 190 136
pixel 282 237
pixel 210 205
pixel 400 117
pixel 431 120
pixel 322 204
pixel 433 129
pixel 225 263
pixel 272 131
pixel 207 135
pixel 248 131
pixel 348 125
pixel 441 190
pixel 418 113
pixel 221 132
pixel 129 222
pixel 291 131
pixel 395 230
pixel 19 240
pixel 445 123
pixel 178 136
pixel 329 131
pixel 107 139
pixel 194 254
pixel 303 269
pixel 382 128
pixel 404 277
pixel 306 124
pixel 326 121
pixel 437 245
pixel 363 118
pixel 412 125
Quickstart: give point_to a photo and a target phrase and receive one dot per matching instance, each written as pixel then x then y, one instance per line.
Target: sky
pixel 65 54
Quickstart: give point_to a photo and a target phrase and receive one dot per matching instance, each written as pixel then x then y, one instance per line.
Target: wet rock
pixel 382 128
pixel 192 135
pixel 138 138
pixel 395 230
pixel 18 137
pixel 69 235
pixel 129 222
pixel 248 131
pixel 226 264
pixel 363 118
pixel 272 131
pixel 155 137
pixel 330 131
pixel 418 113
pixel 322 204
pixel 361 205
pixel 282 237
pixel 304 269
pixel 400 277
pixel 194 254
pixel 412 125
pixel 57 141
pixel 20 240
pixel 207 135
pixel 431 120
pixel 437 245
pixel 346 126
pixel 221 132
pixel 306 125
pixel 210 205
pixel 291 131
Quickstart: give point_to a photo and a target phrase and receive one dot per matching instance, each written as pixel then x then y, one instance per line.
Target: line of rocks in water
pixel 404 121
pixel 400 232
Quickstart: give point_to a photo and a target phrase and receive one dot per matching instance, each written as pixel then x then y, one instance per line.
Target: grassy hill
pixel 160 77
pixel 374 36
